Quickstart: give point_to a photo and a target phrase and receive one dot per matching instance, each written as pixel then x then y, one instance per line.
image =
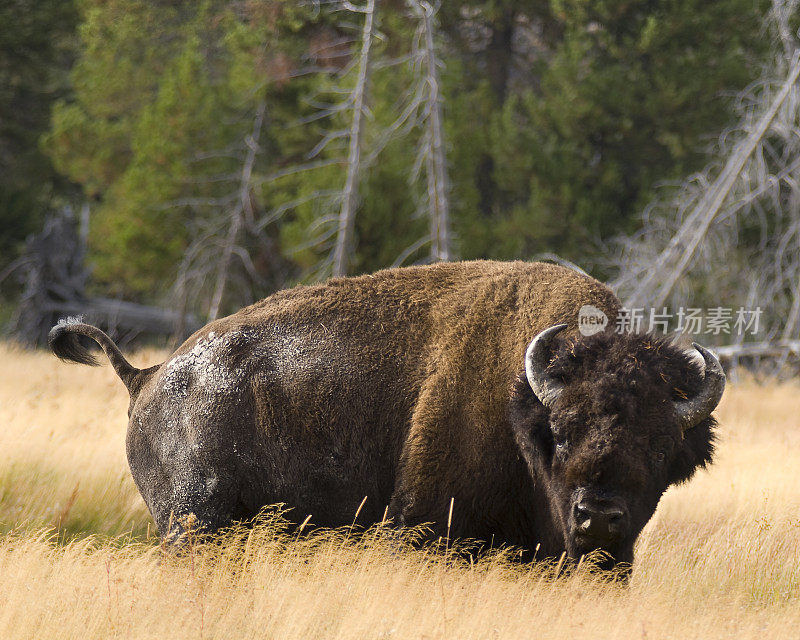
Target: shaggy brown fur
pixel 400 386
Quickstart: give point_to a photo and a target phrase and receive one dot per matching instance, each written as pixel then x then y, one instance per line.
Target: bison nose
pixel 599 520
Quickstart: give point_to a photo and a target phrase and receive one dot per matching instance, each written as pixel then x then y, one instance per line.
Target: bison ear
pixel 529 418
pixel 695 451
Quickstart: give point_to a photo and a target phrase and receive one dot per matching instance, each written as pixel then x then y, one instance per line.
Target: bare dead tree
pixel 228 231
pixel 219 234
pixel 346 223
pixel 732 231
pixel 423 111
pixel 242 208
pixel 673 262
pixel 229 228
pixel 54 276
pixel 418 111
pixel 52 271
pixel 433 141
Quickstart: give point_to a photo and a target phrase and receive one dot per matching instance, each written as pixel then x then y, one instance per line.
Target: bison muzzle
pixel 463 382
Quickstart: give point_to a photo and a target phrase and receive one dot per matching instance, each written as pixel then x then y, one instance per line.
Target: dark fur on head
pixel 613 431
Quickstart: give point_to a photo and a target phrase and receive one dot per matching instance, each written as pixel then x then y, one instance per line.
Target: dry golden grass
pixel 720 559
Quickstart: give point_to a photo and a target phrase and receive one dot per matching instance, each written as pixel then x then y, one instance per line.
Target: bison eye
pixel 660 447
pixel 562 448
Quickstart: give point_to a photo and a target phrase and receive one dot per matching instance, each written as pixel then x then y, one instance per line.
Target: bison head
pixel 606 423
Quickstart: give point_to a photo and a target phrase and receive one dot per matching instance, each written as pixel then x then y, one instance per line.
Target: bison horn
pixel 537 357
pixel 694 410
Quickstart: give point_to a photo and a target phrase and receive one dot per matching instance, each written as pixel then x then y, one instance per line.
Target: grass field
pixel 720 559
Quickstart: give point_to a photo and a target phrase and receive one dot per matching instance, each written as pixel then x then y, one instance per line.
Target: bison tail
pixel 64 343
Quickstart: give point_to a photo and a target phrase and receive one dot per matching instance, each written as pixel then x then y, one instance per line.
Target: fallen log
pixel 54 278
pixel 776 349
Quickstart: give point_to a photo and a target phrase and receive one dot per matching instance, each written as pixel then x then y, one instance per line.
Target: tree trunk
pixel 344 236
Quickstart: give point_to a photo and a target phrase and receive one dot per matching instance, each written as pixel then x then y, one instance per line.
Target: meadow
pixel 79 558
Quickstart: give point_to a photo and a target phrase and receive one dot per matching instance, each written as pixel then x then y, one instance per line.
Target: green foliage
pixel 146 103
pixel 560 118
pixel 625 101
pixel 36 50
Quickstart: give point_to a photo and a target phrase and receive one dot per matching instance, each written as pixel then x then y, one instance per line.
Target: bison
pixel 414 387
